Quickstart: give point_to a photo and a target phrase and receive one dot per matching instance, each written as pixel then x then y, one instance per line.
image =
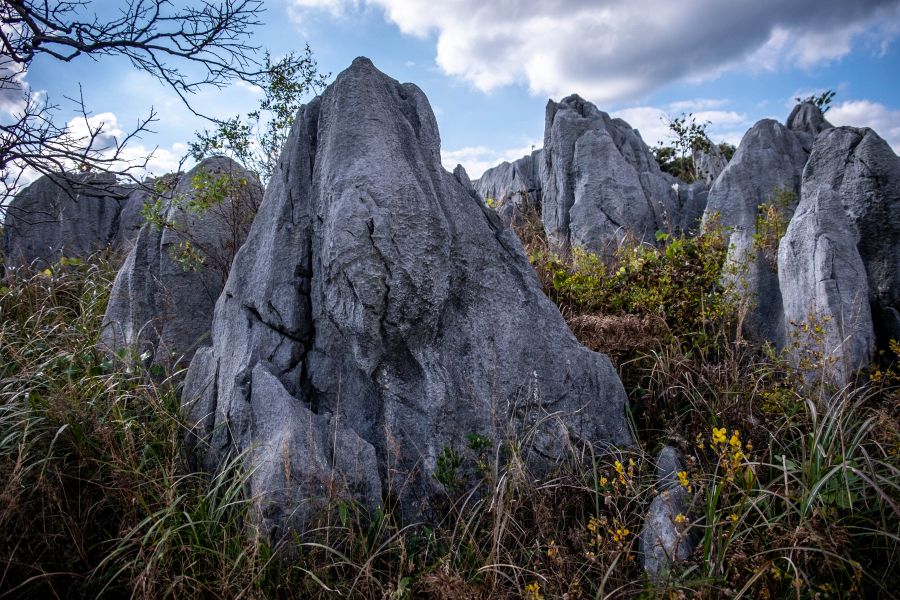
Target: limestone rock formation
pixel 600 181
pixel 839 263
pixel 377 314
pixel 513 188
pixel 766 169
pixel 860 167
pixel 71 215
pixel 163 296
pixel 709 163
pixel 664 541
pixel 823 284
pixel 807 121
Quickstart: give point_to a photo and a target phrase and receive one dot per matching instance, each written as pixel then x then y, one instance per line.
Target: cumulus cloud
pixel 864 113
pixel 108 133
pixel 478 159
pixel 613 50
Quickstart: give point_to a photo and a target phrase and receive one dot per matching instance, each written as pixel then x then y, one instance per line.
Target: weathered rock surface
pixel 862 169
pixel 663 540
pixel 807 121
pixel 163 295
pixel 709 163
pixel 380 306
pixel 72 215
pixel 600 181
pixel 840 260
pixel 513 188
pixel 823 284
pixel 766 168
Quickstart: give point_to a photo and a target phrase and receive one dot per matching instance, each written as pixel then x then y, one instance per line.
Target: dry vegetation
pixel 795 487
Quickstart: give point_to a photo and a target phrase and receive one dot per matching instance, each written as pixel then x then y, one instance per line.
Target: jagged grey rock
pixel 840 261
pixel 378 299
pixel 823 284
pixel 513 188
pixel 663 541
pixel 709 163
pixel 807 121
pixel 766 167
pixel 600 181
pixel 863 170
pixel 66 215
pixel 162 299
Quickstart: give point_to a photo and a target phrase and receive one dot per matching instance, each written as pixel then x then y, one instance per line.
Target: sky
pixel 488 67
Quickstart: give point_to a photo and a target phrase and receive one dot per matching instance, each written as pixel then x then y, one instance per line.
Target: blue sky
pixel 488 68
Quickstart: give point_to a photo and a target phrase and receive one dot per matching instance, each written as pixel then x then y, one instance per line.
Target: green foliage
pixel 256 139
pixel 448 463
pixel 689 136
pixel 823 100
pixel 677 282
pixel 772 219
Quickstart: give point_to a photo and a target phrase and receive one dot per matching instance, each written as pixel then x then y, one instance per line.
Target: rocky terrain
pixel 346 327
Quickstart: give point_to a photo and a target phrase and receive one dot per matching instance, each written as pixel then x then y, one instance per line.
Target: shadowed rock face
pixel 162 299
pixel 377 314
pixel 514 187
pixel 601 182
pixel 769 160
pixel 72 215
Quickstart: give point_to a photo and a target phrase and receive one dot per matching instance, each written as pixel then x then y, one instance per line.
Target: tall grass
pixel 795 491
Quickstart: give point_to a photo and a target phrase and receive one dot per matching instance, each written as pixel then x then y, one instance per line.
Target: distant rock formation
pixel 765 169
pixel 513 188
pixel 601 183
pixel 709 163
pixel 807 121
pixel 379 313
pixel 69 215
pixel 162 300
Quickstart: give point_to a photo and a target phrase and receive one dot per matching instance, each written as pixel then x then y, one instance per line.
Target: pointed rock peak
pixel 361 62
pixel 366 299
pixel 808 118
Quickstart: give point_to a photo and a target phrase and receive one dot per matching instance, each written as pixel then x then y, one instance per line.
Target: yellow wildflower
pixel 718 435
pixel 680 518
pixel 735 441
pixel 533 591
pixel 552 550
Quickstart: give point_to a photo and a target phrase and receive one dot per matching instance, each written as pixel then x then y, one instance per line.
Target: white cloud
pixel 616 50
pixel 864 113
pixel 478 159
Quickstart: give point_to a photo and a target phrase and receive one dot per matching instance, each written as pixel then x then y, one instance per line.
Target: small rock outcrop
pixel 513 188
pixel 67 215
pixel 601 182
pixel 162 300
pixel 377 314
pixel 665 539
pixel 765 169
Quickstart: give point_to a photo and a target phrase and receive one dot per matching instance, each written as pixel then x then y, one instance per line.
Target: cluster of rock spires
pixel 595 182
pixel 837 263
pixel 380 310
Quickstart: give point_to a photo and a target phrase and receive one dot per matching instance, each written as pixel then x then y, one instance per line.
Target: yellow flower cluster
pixel 683 480
pixel 730 450
pixel 533 591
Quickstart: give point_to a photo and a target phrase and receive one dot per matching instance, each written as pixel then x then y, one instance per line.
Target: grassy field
pixel 795 484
